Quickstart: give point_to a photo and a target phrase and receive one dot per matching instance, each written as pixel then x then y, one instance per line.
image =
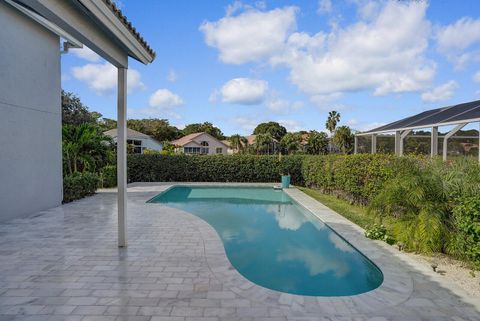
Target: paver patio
pixel 64 264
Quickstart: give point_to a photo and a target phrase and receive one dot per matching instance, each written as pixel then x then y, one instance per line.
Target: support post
pixel 122 156
pixel 402 138
pixel 397 143
pixel 447 136
pixel 355 145
pixel 374 143
pixel 434 142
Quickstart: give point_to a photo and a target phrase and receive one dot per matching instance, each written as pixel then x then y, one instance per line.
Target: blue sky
pixel 237 64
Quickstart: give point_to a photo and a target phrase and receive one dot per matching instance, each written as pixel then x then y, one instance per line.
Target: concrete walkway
pixel 64 264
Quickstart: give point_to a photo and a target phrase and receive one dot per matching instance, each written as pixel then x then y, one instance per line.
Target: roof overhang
pixel 94 24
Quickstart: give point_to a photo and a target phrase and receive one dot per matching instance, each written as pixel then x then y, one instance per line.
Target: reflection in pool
pixel 276 243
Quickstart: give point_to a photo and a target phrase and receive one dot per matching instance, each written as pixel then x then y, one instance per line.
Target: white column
pixel 434 142
pixel 355 145
pixel 402 138
pixel 374 143
pixel 447 136
pixel 397 143
pixel 122 156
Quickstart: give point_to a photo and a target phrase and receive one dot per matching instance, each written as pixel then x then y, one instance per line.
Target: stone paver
pixel 64 264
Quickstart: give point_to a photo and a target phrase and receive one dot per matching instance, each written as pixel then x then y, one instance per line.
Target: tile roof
pixel 118 13
pixel 130 133
pixel 186 139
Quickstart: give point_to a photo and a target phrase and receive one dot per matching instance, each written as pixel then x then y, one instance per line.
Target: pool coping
pixel 396 288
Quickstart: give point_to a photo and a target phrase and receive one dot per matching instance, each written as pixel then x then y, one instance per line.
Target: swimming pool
pixel 276 243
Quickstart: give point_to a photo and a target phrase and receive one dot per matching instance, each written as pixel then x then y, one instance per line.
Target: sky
pixel 239 63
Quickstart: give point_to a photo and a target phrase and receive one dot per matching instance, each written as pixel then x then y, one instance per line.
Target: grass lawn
pixel 355 213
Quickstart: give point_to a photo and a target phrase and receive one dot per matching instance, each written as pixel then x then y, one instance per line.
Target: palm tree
pixel 238 143
pixel 84 148
pixel 292 142
pixel 332 121
pixel 344 139
pixel 263 143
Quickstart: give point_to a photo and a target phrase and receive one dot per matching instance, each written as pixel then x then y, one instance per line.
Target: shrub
pixel 79 185
pixel 215 168
pixel 108 176
pixel 379 232
pixel 418 201
pixel 466 215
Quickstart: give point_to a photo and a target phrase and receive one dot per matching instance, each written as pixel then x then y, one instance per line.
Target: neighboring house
pixel 201 144
pixel 31 35
pixel 138 140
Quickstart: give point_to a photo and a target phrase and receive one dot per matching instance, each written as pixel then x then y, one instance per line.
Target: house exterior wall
pixel 30 116
pixel 213 144
pixel 152 144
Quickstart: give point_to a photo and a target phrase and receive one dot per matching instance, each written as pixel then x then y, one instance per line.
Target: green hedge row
pixel 356 177
pixel 218 168
pixel 79 185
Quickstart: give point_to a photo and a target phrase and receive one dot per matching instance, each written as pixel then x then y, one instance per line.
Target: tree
pixel 275 130
pixel 317 143
pixel 85 148
pixel 74 112
pixel 332 121
pixel 292 142
pixel 263 143
pixel 344 139
pixel 160 129
pixel 238 143
pixel 107 124
pixel 205 127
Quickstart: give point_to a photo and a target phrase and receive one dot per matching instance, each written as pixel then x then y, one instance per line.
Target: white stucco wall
pixel 151 144
pixel 213 143
pixel 30 116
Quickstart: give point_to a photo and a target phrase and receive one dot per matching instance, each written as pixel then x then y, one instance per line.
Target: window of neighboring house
pixel 219 150
pixel 136 145
pixel 191 150
pixel 204 149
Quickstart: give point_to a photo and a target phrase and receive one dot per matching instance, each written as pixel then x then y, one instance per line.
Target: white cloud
pixel 103 78
pixel 453 40
pixel 161 103
pixel 381 54
pixel 440 93
pixel 243 91
pixel 85 53
pixel 172 76
pixel 324 6
pixel 250 36
pixel 246 123
pixel 291 125
pixel 361 125
pixel 164 98
pixel 476 77
pixel 376 53
pixel 279 105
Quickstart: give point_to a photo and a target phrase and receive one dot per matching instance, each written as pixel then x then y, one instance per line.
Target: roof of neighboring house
pixel 123 19
pixel 191 138
pixel 226 142
pixel 251 139
pixel 130 134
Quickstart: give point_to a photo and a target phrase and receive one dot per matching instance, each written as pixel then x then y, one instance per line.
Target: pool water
pixel 276 243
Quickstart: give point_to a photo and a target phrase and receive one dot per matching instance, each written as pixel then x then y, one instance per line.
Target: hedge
pixel 354 177
pixel 108 176
pixel 217 168
pixel 79 185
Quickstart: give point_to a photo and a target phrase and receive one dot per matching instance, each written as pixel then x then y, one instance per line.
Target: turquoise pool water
pixel 276 243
